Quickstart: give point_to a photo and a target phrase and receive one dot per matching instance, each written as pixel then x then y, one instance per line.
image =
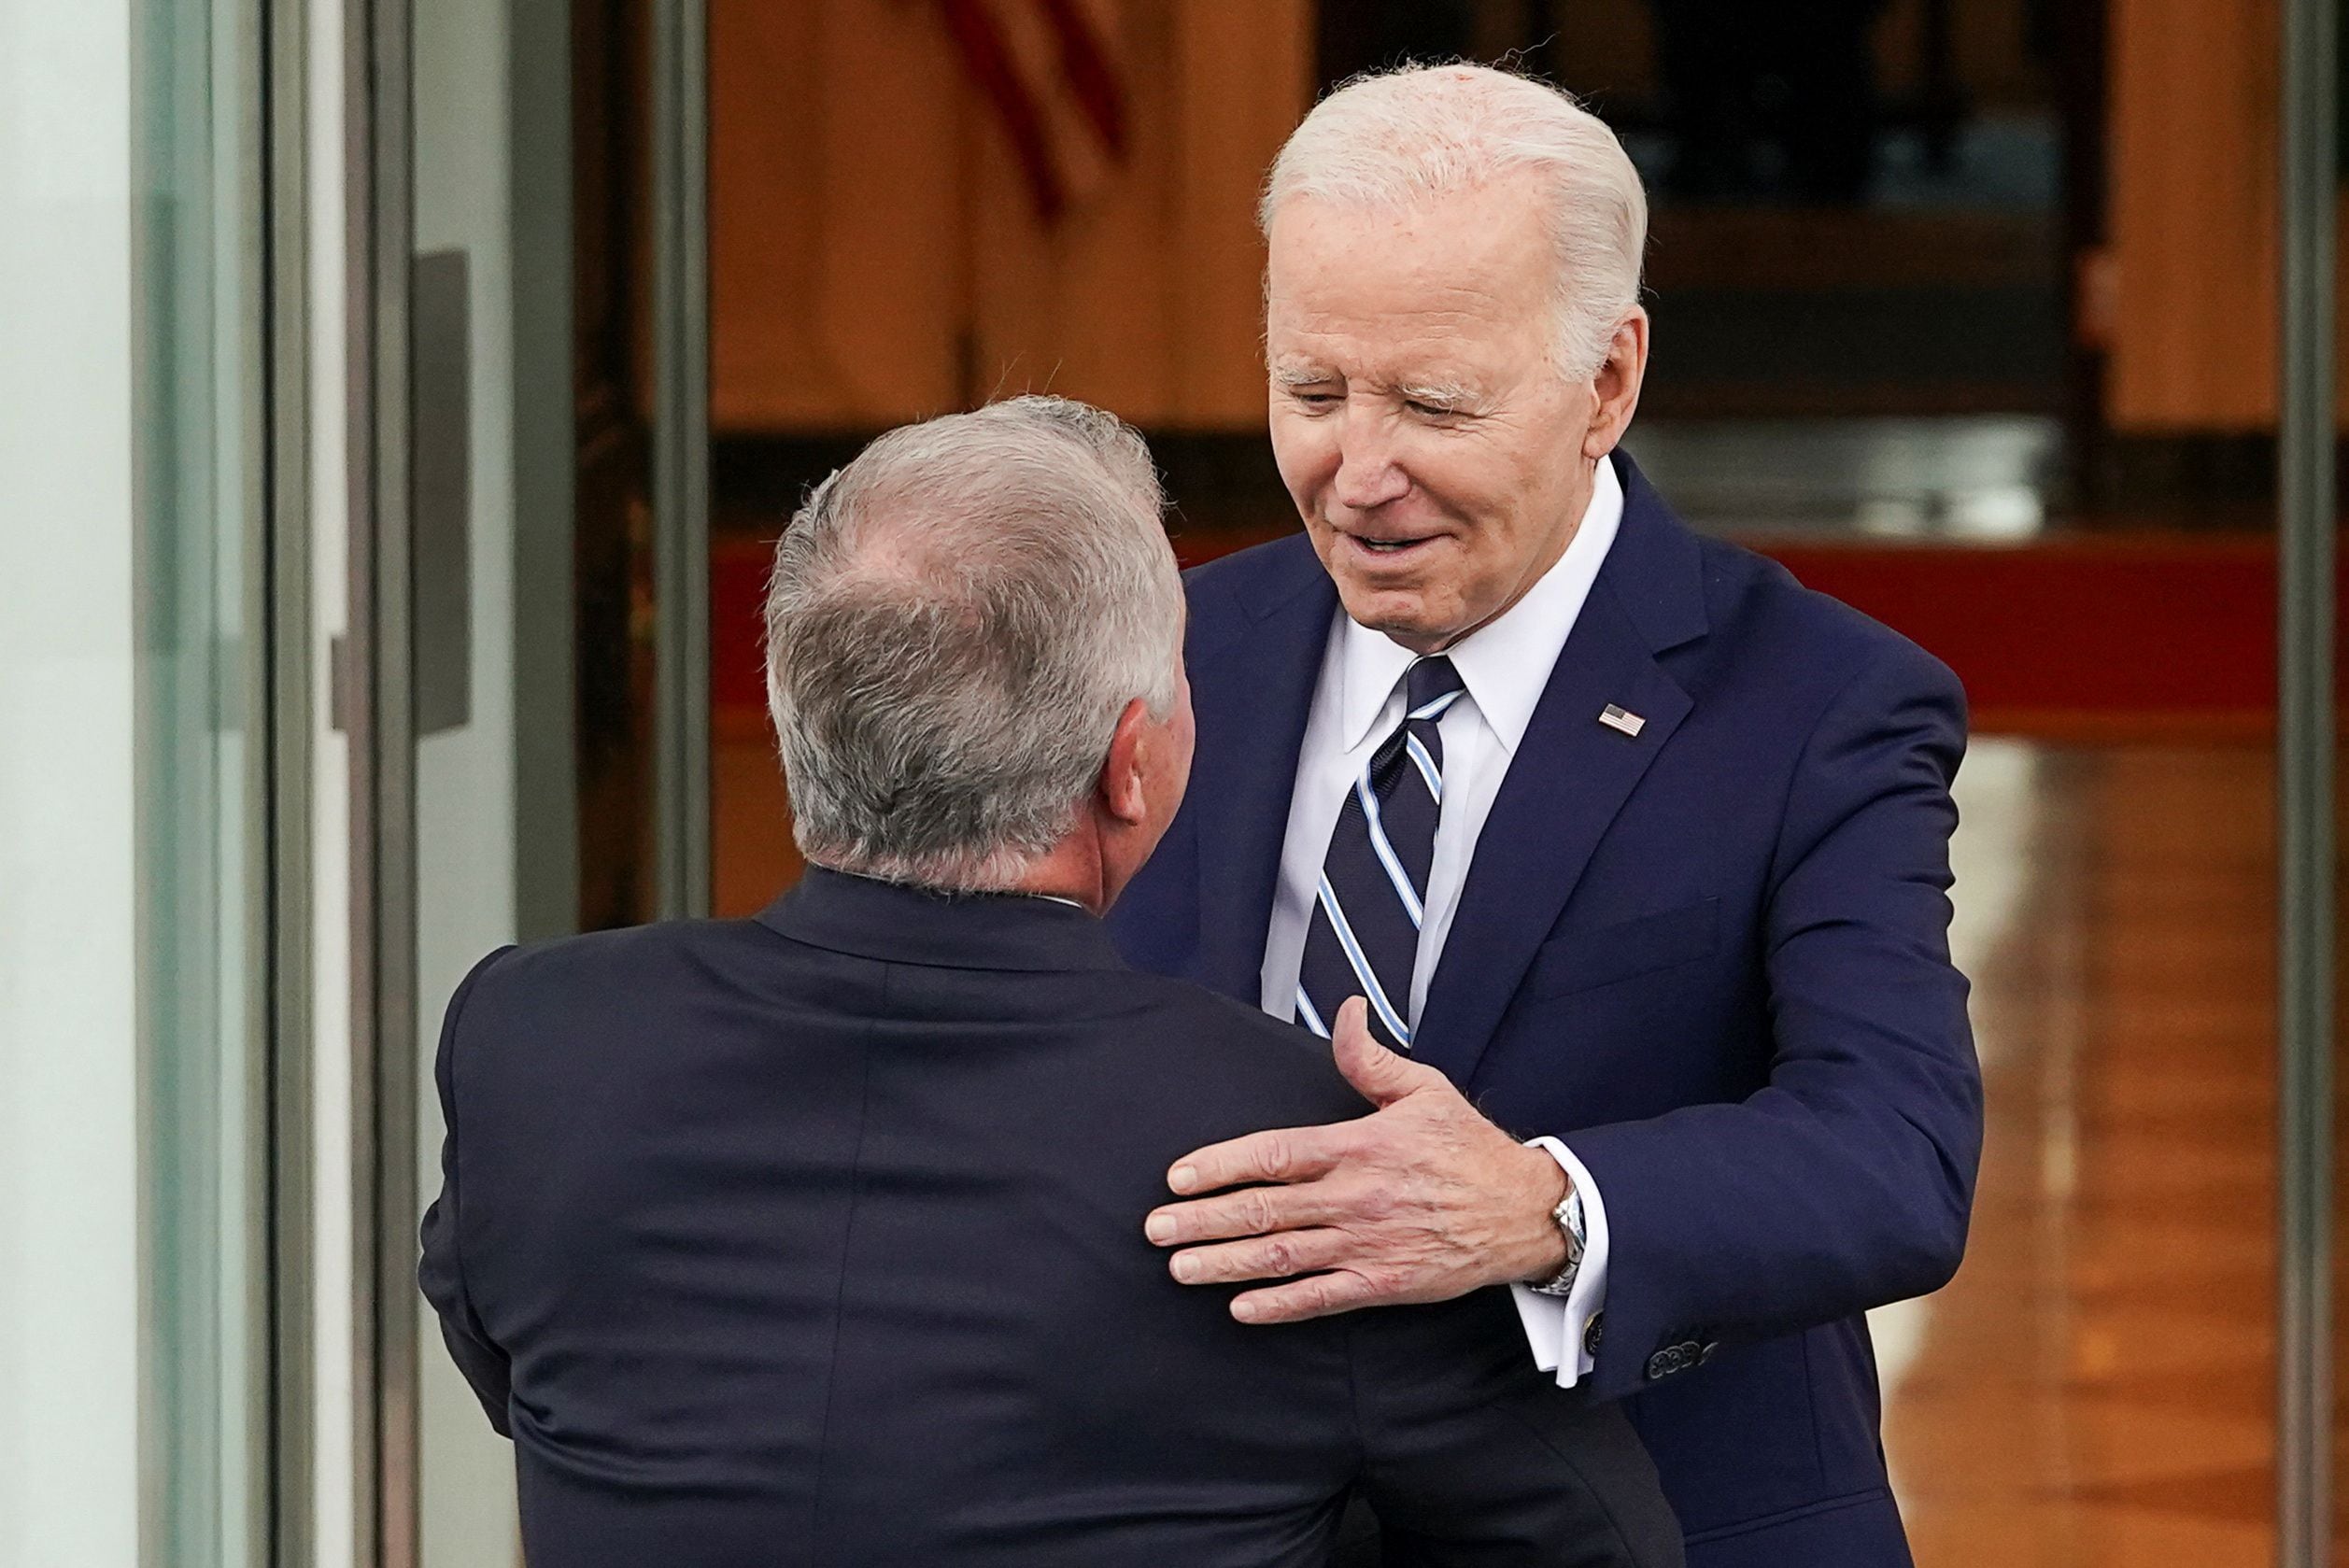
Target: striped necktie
pixel 1364 939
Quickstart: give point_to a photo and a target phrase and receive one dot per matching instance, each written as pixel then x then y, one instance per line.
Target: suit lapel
pixel 1569 778
pixel 1259 688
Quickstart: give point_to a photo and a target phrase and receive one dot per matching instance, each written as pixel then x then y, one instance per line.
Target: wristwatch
pixel 1568 1216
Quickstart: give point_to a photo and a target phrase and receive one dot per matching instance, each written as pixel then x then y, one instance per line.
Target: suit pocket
pixel 1584 960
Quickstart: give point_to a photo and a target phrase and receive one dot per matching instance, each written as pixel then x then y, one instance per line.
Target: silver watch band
pixel 1568 1218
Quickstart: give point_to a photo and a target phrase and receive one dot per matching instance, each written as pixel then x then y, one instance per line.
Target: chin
pixel 1400 613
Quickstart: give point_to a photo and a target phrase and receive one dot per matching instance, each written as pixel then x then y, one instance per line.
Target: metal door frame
pixel 246 60
pixel 281 682
pixel 380 720
pixel 2304 774
pixel 680 455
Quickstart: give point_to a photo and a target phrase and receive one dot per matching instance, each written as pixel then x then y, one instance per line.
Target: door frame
pixel 379 723
pixel 2308 871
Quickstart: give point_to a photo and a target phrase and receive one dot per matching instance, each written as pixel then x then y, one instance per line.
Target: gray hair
pixel 956 621
pixel 1388 139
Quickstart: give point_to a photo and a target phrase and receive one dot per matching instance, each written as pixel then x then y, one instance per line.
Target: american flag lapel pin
pixel 1617 718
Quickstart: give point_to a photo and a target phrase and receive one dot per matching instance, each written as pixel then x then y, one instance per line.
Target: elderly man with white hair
pixel 812 1238
pixel 1637 849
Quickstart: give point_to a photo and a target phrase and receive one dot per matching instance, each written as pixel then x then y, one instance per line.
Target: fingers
pixel 1317 1296
pixel 1267 1257
pixel 1284 1154
pixel 1251 1211
pixel 1381 1075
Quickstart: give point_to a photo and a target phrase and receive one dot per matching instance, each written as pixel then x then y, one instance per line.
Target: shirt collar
pixel 844 913
pixel 1505 664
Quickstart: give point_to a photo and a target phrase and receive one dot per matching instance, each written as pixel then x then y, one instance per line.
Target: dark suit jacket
pixel 817 1239
pixel 1715 953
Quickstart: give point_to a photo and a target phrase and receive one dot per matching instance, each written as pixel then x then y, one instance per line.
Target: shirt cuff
pixel 1557 1329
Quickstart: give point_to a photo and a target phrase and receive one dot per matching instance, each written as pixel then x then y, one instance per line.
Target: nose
pixel 1367 474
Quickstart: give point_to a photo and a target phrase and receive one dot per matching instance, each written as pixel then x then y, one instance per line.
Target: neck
pixel 1071 869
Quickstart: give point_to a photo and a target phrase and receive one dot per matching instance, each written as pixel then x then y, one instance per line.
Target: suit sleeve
pixel 442 1274
pixel 1847 1180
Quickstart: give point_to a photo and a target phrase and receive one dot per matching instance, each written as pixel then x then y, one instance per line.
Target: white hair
pixel 1392 138
pixel 955 624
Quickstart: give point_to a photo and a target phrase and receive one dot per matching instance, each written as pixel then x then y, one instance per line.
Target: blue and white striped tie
pixel 1365 935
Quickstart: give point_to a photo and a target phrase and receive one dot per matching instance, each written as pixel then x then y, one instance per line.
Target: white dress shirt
pixel 1357 702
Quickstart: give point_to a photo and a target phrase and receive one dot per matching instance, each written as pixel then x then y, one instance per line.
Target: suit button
pixel 1675 1357
pixel 1591 1332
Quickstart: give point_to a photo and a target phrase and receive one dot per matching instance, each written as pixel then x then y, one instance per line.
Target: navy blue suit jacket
pixel 1715 953
pixel 816 1239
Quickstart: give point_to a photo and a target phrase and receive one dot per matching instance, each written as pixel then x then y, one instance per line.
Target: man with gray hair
pixel 815 1238
pixel 1638 850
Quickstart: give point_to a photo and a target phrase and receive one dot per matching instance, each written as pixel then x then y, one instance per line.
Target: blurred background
pixel 405 397
pixel 1925 276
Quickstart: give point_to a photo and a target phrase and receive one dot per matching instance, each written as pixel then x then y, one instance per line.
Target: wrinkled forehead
pixel 1455 251
pixel 1501 224
pixel 1450 289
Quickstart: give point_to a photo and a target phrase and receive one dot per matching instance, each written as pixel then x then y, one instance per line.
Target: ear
pixel 1615 385
pixel 1118 788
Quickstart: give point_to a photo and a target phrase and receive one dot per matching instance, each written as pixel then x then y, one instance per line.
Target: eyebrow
pixel 1442 394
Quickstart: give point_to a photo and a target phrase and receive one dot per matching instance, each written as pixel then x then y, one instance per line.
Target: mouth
pixel 1389 550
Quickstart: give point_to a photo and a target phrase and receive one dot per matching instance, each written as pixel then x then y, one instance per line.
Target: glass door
pixel 470 570
pixel 467 636
pixel 139 787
